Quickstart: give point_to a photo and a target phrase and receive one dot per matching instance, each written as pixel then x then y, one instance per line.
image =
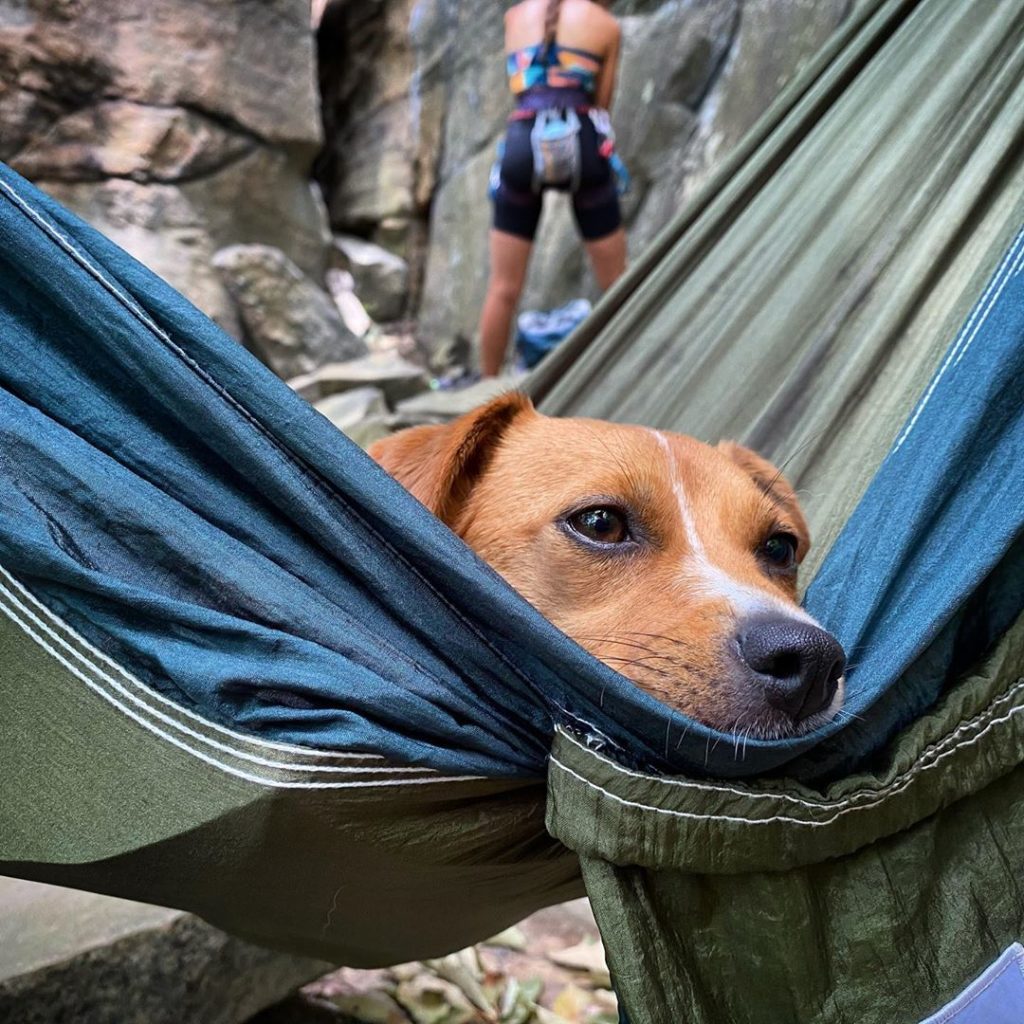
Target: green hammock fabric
pixel 875 901
pixel 801 304
pixel 396 863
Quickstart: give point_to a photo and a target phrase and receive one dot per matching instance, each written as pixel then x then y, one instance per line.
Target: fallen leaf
pixel 432 1000
pixel 463 969
pixel 571 1002
pixel 548 1017
pixel 370 1008
pixel 587 957
pixel 510 938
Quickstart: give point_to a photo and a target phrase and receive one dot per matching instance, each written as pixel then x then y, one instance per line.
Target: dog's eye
pixel 603 525
pixel 779 550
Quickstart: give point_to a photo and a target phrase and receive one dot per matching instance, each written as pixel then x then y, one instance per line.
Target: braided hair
pixel 551 21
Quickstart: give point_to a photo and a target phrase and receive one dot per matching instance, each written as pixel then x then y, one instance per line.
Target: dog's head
pixel 672 561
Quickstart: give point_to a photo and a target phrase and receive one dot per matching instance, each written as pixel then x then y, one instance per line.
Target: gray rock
pixel 395 376
pixel 122 139
pixel 381 278
pixel 456 270
pixel 442 406
pixel 347 408
pixel 290 323
pixel 250 64
pixel 75 956
pixel 176 227
pixel 361 414
pixel 382 110
pixel 175 128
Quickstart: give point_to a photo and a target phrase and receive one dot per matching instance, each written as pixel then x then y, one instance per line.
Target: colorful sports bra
pixel 552 65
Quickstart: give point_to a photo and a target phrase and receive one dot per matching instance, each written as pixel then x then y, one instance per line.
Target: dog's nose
pixel 800 664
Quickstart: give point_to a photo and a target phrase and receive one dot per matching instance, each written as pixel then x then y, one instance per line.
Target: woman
pixel 562 59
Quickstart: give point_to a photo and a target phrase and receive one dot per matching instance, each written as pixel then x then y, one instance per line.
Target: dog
pixel 670 560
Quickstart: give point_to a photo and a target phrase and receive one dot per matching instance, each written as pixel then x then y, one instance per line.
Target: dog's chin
pixel 744 719
pixel 771 724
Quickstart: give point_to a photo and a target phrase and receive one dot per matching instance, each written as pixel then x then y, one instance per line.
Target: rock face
pixel 421 84
pixel 179 128
pixel 176 128
pixel 380 277
pixel 386 370
pixel 290 323
pixel 361 414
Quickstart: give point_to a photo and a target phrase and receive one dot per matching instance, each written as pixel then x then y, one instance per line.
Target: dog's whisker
pixel 682 735
pixel 672 659
pixel 801 446
pixel 848 716
pixel 649 671
pixel 624 643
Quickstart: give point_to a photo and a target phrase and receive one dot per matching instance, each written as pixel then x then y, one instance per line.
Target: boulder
pixel 382 88
pixel 381 279
pixel 361 414
pixel 60 57
pixel 342 288
pixel 290 323
pixel 75 956
pixel 456 268
pixel 122 139
pixel 395 376
pixel 442 406
pixel 175 128
pixel 175 228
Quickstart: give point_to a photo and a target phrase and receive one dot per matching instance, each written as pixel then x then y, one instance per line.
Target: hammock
pixel 245 674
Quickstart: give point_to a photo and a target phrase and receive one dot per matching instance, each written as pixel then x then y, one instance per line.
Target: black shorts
pixel 517 207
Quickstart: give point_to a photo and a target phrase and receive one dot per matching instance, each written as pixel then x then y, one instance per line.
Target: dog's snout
pixel 799 664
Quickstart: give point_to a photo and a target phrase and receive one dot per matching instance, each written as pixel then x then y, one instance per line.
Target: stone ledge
pixel 73 956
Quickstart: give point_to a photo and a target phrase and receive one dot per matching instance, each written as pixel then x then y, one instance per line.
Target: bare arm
pixel 609 70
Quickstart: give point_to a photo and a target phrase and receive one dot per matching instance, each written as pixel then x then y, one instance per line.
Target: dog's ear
pixel 439 464
pixel 775 486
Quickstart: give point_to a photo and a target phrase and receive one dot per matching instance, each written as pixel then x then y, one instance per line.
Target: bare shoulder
pixel 596 17
pixel 523 9
pixel 606 18
pixel 515 13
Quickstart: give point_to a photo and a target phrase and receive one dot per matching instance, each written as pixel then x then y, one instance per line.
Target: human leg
pixel 510 255
pixel 517 211
pixel 596 208
pixel 607 257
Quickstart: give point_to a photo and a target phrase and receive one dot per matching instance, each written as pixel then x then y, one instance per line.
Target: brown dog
pixel 672 561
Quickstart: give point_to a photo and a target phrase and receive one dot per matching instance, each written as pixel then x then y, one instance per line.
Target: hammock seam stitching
pixel 845 806
pixel 228 769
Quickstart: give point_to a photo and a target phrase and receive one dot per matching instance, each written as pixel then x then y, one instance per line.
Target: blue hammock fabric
pixel 183 509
